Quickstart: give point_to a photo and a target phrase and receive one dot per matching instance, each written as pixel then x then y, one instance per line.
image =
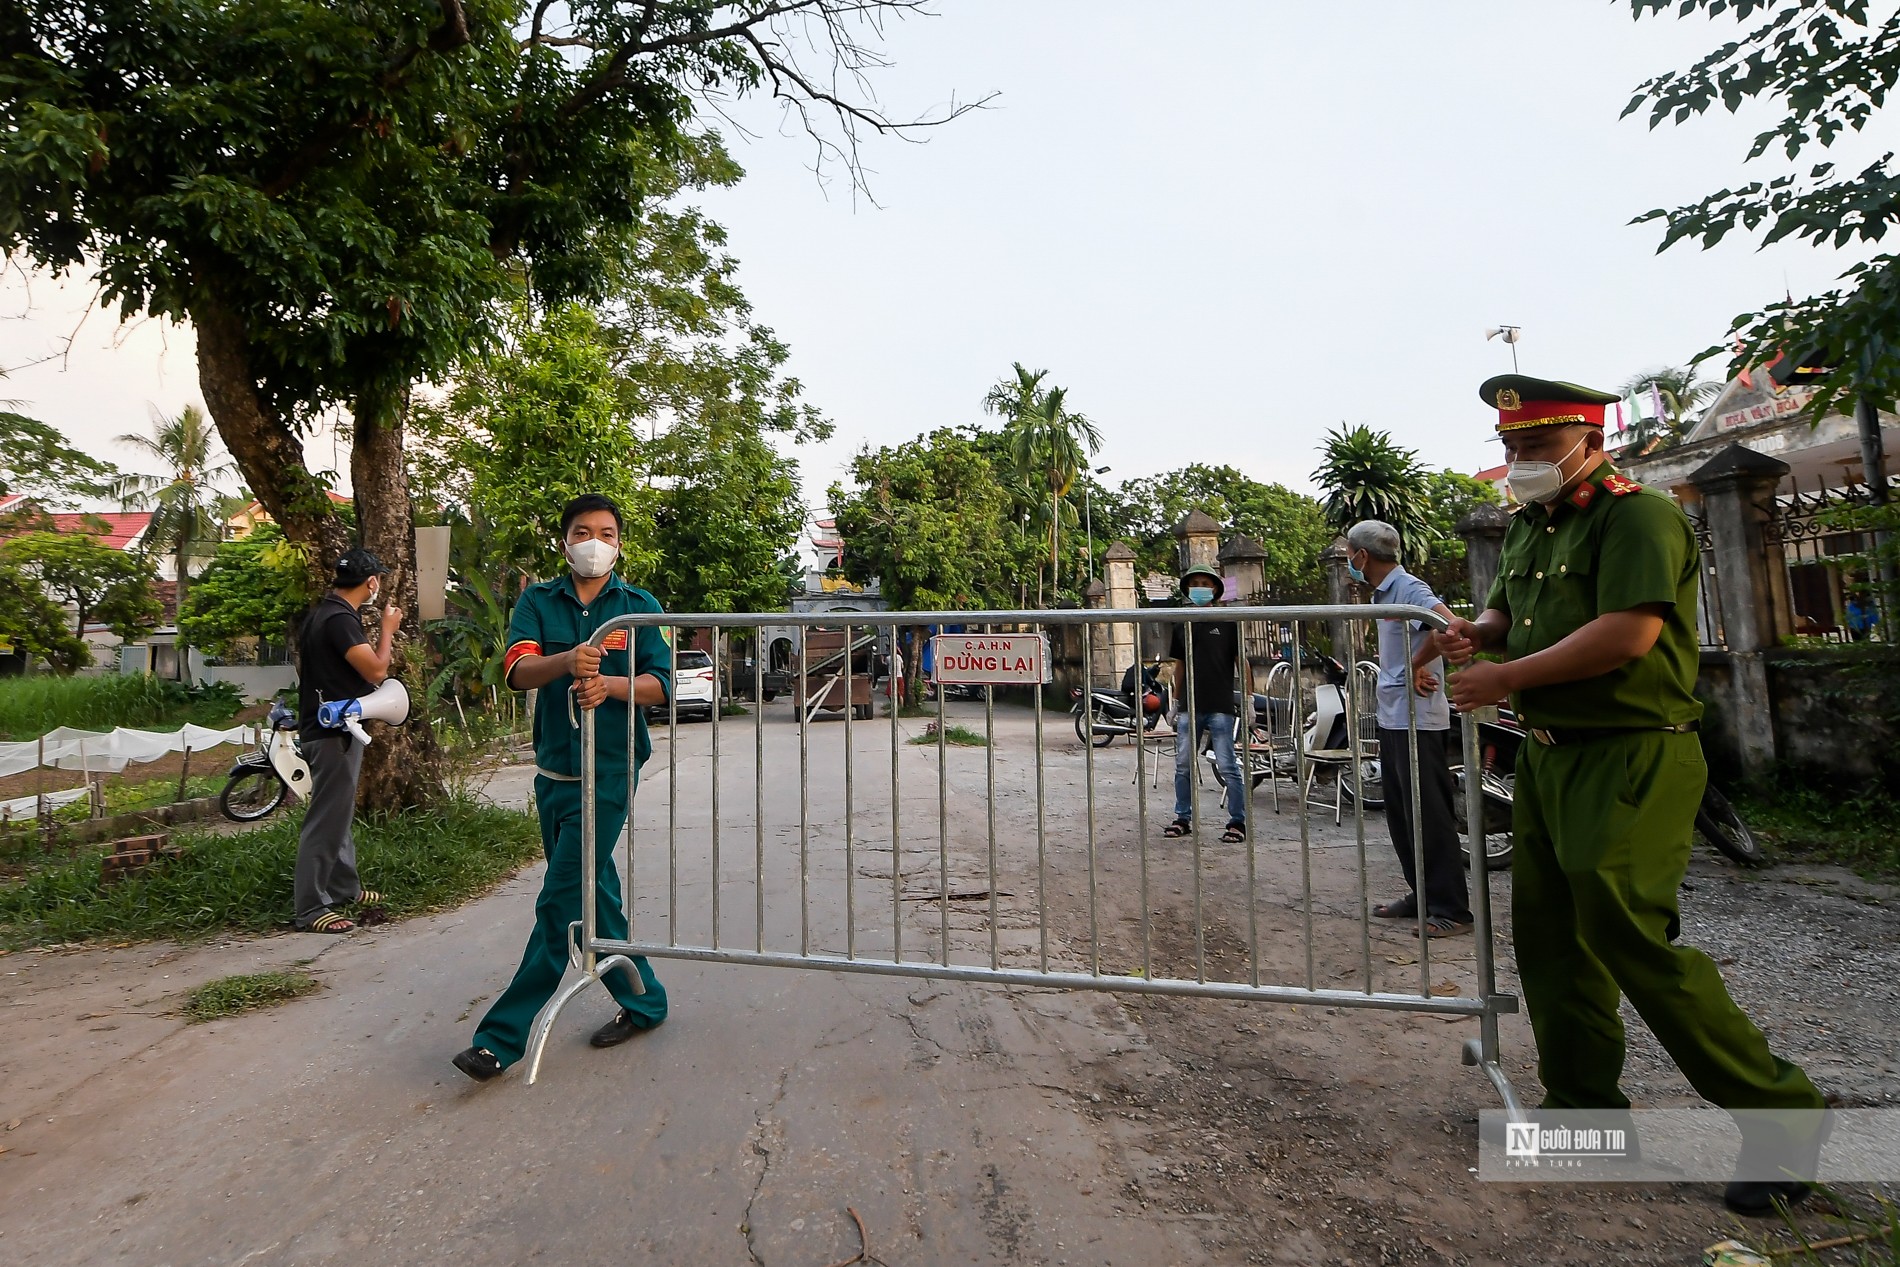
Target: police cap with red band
pixel 1524 402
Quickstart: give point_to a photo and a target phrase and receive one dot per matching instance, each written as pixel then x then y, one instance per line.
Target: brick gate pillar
pixel 1738 494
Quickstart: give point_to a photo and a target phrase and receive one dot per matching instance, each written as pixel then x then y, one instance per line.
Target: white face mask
pixel 1539 481
pixel 592 557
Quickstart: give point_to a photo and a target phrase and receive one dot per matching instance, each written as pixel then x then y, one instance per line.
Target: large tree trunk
pixel 266 449
pixel 179 588
pixel 403 768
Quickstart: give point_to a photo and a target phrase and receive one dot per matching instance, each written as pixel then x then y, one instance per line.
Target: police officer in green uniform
pixel 547 649
pixel 1594 612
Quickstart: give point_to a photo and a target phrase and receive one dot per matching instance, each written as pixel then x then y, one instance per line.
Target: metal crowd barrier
pixel 799 868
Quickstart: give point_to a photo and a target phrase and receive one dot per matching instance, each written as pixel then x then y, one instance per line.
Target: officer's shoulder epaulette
pixel 1620 485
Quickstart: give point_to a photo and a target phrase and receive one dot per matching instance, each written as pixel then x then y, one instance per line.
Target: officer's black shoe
pixel 1759 1198
pixel 618 1030
pixel 479 1063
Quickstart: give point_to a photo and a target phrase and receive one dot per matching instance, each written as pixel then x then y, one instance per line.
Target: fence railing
pixel 1829 564
pixel 818 838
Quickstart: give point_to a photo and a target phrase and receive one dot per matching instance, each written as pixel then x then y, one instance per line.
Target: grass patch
pixel 957 736
pixel 31 706
pixel 1811 823
pixel 423 860
pixel 1849 1236
pixel 730 709
pixel 912 710
pixel 228 996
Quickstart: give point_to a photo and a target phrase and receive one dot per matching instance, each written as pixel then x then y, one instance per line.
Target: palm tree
pixel 1683 396
pixel 1366 476
pixel 1010 399
pixel 1051 445
pixel 184 503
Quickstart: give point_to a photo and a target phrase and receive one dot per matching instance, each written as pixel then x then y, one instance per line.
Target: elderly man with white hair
pixel 1373 560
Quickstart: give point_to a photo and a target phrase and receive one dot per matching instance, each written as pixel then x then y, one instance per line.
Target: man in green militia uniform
pixel 547 648
pixel 1594 610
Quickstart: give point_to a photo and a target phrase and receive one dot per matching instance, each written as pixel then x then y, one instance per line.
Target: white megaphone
pixel 387 703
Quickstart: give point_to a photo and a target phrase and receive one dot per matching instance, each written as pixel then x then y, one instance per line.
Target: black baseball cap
pixel 357 566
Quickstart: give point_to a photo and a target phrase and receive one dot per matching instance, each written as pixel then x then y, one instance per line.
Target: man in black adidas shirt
pixel 1210 707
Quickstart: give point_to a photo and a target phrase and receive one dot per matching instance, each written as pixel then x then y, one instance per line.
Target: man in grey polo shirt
pixel 1374 561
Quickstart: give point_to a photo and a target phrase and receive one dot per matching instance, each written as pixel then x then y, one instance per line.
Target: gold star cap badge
pixel 1509 399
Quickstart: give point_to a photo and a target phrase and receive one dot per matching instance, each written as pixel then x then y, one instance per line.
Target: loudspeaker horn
pixel 387 703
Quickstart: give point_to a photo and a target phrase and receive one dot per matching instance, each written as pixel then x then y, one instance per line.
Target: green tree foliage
pixel 34 624
pixel 340 198
pixel 1366 476
pixel 1683 394
pixel 257 587
pixel 106 586
pixel 682 400
pixel 185 499
pixel 1827 70
pixel 473 637
pixel 1450 496
pixel 1289 526
pixel 1049 447
pixel 928 518
pixel 36 460
pixel 527 430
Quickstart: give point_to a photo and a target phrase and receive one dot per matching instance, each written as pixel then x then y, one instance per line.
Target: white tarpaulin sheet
pixel 110 751
pixel 28 806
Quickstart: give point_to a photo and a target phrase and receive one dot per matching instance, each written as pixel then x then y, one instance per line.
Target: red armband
pixel 515 652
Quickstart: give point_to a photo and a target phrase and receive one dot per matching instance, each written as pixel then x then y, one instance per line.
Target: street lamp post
pixel 1088 519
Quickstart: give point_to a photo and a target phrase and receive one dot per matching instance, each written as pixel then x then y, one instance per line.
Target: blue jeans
pixel 1221 727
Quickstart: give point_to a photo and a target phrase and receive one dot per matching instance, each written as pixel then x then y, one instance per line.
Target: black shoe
pixel 617 1031
pixel 479 1063
pixel 1759 1198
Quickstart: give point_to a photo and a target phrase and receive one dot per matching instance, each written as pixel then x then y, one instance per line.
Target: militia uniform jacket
pixel 1610 545
pixel 550 619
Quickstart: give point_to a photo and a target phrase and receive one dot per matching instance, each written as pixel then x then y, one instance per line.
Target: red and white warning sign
pixel 991 659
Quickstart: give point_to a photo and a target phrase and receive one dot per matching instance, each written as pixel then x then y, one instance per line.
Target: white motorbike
pixel 1325 738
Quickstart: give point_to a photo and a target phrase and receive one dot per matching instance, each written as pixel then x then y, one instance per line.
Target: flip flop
pixel 1398 908
pixel 1444 926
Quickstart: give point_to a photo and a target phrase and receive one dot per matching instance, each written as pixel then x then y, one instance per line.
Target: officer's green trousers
pixel 504 1030
pixel 1603 833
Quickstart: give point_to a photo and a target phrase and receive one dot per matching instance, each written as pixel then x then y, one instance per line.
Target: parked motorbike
pixel 1271 749
pixel 261 779
pixel 1498 744
pixel 1104 716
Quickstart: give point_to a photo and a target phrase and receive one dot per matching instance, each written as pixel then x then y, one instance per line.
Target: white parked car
pixel 692 687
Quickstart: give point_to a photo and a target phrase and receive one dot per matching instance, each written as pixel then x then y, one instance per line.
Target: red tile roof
pixel 121 527
pixel 1494 473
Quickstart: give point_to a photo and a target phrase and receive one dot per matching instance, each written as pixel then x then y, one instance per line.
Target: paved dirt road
pixel 964 1123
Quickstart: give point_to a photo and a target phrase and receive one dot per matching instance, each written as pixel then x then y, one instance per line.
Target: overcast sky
pixel 1225 227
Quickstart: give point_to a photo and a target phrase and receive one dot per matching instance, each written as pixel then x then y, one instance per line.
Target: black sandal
pixel 1177 829
pixel 1236 834
pixel 1398 908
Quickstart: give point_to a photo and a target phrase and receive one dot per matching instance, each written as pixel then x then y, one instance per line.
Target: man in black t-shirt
pixel 1210 707
pixel 336 663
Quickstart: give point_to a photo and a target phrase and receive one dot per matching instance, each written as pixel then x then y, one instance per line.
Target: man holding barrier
pixel 1594 610
pixel 548 649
